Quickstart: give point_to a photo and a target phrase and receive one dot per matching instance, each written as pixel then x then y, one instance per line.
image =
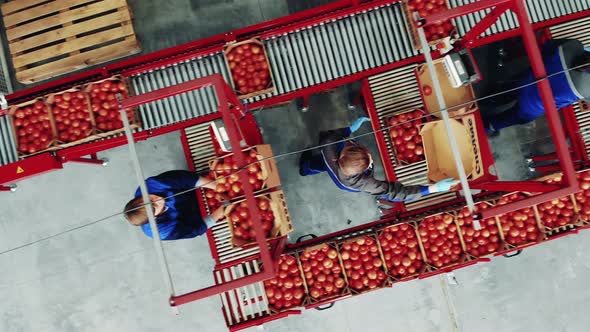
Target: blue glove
pixel 587 49
pixel 442 185
pixel 358 123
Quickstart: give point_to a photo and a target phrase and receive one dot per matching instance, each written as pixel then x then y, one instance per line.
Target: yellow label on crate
pixel 19 170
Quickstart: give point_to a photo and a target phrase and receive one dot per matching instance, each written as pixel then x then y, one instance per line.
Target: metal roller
pixel 8 153
pixel 320 53
pixel 539 10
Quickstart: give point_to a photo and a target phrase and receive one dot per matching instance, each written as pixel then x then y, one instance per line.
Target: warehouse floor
pixel 105 277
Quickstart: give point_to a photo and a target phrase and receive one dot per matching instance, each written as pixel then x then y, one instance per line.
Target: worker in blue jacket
pixel 178 217
pixel 350 166
pixel 568 83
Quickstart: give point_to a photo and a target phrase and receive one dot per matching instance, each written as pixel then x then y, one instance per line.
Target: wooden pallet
pixel 48 38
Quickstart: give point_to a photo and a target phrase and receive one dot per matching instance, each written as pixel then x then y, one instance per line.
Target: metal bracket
pixel 514 254
pixel 9 187
pixel 328 306
pixel 311 235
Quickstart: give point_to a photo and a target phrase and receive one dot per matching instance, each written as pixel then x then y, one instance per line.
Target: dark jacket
pixel 395 191
pixel 182 218
pixel 568 87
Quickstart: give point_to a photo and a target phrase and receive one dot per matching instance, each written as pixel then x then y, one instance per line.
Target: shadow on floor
pixel 315 203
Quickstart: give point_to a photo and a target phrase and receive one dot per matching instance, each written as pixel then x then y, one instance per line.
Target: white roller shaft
pixel 446 120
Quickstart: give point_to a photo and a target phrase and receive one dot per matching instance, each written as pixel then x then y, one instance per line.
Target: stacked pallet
pixel 51 38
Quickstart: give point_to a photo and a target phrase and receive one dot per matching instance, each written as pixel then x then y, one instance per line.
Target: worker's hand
pixel 358 123
pixel 443 185
pixel 218 213
pixel 206 182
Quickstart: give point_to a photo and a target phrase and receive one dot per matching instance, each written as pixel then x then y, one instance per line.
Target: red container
pixel 33 130
pixel 70 112
pixel 401 251
pixel 363 264
pixel 404 134
pixel 288 289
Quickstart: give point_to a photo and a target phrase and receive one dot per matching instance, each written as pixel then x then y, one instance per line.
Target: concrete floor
pixel 105 277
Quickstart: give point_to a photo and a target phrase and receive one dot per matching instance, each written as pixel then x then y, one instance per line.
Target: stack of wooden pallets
pixel 48 38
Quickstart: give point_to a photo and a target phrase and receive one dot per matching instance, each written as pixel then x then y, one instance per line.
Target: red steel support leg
pixel 10 187
pixel 479 28
pixel 559 138
pixel 93 160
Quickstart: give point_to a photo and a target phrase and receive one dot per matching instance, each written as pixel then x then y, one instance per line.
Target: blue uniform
pixel 567 86
pixel 181 218
pixel 364 182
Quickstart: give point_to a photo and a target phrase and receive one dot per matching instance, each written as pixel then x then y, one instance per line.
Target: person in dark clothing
pixel 350 166
pixel 177 217
pixel 525 104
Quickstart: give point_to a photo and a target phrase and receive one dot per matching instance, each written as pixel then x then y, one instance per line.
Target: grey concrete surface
pixel 105 277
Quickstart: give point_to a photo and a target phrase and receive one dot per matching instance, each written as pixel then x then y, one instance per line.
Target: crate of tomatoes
pixel 564 213
pixel 288 289
pixel 71 115
pixel 262 174
pixel 519 228
pixel 582 198
pixel 32 127
pixel 441 242
pixel 104 105
pixel 401 251
pixel 363 264
pixel 249 68
pixel 435 33
pixel 484 242
pixel 274 215
pixel 323 273
pixel 404 134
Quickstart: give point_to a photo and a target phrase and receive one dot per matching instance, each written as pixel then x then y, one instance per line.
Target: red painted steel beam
pixel 555 125
pixel 443 16
pixel 230 119
pixel 29 167
pixel 481 26
pixel 379 134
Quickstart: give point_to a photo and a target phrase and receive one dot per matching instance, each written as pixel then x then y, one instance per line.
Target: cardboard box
pixel 271 85
pixel 12 110
pixel 439 157
pixel 282 222
pixel 268 166
pixel 452 96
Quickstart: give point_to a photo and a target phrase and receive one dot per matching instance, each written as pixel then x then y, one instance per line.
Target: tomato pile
pixel 242 223
pixel 228 181
pixel 249 68
pixel 520 226
pixel 429 7
pixel 103 98
pixel 362 263
pixel 440 240
pixel 71 115
pixel 401 250
pixel 583 196
pixel 286 290
pixel 405 136
pixel 33 129
pixel 483 242
pixel 322 272
pixel 557 212
pixel 214 199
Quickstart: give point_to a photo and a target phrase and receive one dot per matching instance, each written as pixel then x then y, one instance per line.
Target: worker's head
pixel 136 213
pixel 354 159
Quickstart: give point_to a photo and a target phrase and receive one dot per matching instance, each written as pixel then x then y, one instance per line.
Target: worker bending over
pixel 177 217
pixel 350 166
pixel 568 85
